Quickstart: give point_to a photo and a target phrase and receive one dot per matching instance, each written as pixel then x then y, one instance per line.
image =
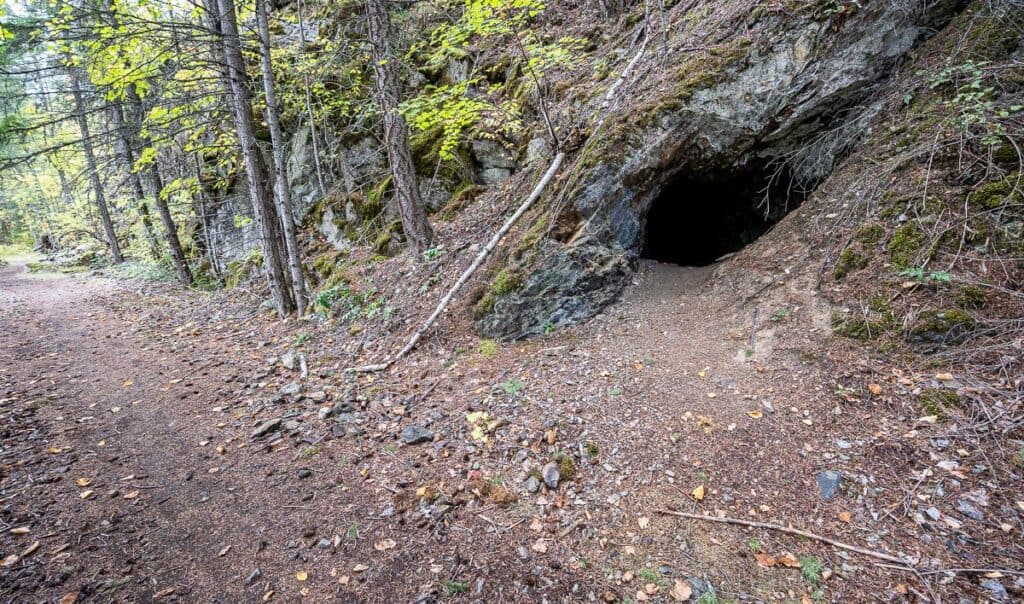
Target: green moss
pixel 905 245
pixel 375 199
pixel 870 234
pixel 941 325
pixel 566 465
pixel 487 348
pixel 863 329
pixel 998 193
pixel 938 401
pixel 240 270
pixel 460 200
pixel 971 296
pixel 506 281
pixel 849 261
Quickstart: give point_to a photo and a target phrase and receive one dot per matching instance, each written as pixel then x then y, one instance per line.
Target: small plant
pixel 754 544
pixel 708 597
pixel 651 576
pixel 301 339
pixel 919 275
pixel 614 391
pixel 352 534
pixel 309 452
pixel 779 315
pixel 1019 457
pixel 453 588
pixel 810 568
pixel 549 327
pixel 389 448
pixel 511 387
pixel 487 348
pixel 433 254
pixel 591 450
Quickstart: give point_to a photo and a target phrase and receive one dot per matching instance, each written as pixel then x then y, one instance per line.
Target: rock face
pixel 769 89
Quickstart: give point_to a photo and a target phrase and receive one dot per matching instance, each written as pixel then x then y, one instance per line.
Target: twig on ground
pixel 792 531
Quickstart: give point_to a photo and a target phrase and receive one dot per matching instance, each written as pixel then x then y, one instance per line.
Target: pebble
pixel 997 590
pixel 253 577
pixel 305 473
pixel 828 483
pixel 292 389
pixel 415 434
pixel 551 475
pixel 965 508
pixel 267 427
pixel 933 513
pixel 843 444
pixel 324 543
pixel 532 484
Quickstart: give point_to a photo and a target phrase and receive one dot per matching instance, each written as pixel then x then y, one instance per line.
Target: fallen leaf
pixel 127 383
pixel 643 522
pixel 224 551
pixel 681 591
pixel 928 419
pixel 698 493
pixel 131 495
pixel 539 546
pixel 301 575
pixel 30 550
pixel 945 377
pixel 83 482
pixel 70 598
pixel 756 414
pixel 875 389
pixel 536 524
pixel 764 560
pixel 384 544
pixel 21 530
pixel 86 494
pixel 789 560
pixel 56 450
pixel 358 568
pixel 844 516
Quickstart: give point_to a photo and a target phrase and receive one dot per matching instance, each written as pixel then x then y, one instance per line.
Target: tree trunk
pixel 202 210
pixel 256 170
pixel 309 104
pixel 396 135
pixel 156 186
pixel 127 157
pixel 90 162
pixel 283 193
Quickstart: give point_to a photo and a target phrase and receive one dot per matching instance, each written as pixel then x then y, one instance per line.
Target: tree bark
pixel 263 207
pixel 156 186
pixel 309 104
pixel 396 133
pixel 283 193
pixel 125 153
pixel 90 162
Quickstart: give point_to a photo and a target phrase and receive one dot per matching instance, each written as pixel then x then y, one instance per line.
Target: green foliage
pixel 811 569
pixel 453 588
pixel 922 276
pixel 511 387
pixel 349 305
pixel 487 348
pixel 972 104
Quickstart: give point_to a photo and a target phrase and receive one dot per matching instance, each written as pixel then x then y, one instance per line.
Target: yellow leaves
pixel 54 450
pixel 706 423
pixel 764 560
pixel 21 530
pixel 945 377
pixel 83 482
pixel 874 389
pixel 756 414
pixel 131 495
pixel 87 494
pixel 681 591
pixel 301 575
pixel 360 568
pixel 844 516
pixel 128 383
pixel 482 425
pixel 698 493
pixel 788 560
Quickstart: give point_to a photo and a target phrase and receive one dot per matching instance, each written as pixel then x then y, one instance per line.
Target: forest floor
pixel 132 471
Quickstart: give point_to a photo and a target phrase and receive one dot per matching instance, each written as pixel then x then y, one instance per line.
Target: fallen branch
pixel 792 531
pixel 479 260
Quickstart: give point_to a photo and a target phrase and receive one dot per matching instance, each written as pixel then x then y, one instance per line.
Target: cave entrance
pixel 700 217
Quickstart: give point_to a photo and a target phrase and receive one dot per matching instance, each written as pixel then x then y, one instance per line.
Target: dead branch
pixel 792 531
pixel 479 260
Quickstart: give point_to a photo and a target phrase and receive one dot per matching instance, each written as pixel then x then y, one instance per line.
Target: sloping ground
pixel 129 456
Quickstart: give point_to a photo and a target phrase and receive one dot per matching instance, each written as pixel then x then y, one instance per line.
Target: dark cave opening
pixel 698 218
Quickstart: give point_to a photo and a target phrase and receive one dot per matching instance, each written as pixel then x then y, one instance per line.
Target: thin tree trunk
pixel 262 204
pixel 90 162
pixel 204 219
pixel 284 194
pixel 396 135
pixel 309 104
pixel 156 186
pixel 127 157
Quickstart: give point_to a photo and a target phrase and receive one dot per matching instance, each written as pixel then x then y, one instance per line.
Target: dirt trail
pixel 127 415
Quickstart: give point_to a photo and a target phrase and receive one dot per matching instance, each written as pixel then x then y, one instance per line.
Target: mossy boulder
pixel 944 326
pixel 938 401
pixel 849 261
pixel 995 194
pixel 906 245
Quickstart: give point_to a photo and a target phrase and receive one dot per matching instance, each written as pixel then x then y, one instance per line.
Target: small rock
pixel 267 427
pixel 292 425
pixel 997 590
pixel 324 543
pixel 965 508
pixel 532 484
pixel 291 389
pixel 317 397
pixel 415 434
pixel 290 360
pixel 253 577
pixel 843 444
pixel 551 475
pixel 305 473
pixel 933 513
pixel 768 406
pixel 828 483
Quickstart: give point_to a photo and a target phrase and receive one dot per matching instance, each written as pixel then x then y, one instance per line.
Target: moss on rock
pixel 906 244
pixel 849 261
pixel 940 326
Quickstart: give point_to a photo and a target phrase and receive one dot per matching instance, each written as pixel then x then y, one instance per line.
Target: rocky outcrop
pixel 768 89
